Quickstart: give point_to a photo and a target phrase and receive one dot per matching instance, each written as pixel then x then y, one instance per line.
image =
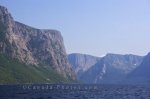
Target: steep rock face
pixel 94 73
pixel 33 46
pixel 141 75
pixel 81 62
pixel 110 69
pixel 117 67
pixel 123 63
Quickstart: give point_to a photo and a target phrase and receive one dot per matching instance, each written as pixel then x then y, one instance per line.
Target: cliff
pixel 141 75
pixel 110 69
pixel 33 46
pixel 82 62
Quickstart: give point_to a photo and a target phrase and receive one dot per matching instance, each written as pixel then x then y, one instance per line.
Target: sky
pixel 94 27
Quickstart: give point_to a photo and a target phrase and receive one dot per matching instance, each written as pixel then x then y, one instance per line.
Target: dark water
pixel 74 91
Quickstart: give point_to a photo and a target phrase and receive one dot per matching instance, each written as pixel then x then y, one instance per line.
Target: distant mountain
pixel 33 47
pixel 141 75
pixel 82 62
pixel 109 69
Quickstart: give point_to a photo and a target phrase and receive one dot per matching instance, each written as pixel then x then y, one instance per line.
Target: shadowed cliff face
pixel 144 68
pixel 141 75
pixel 81 63
pixel 110 69
pixel 33 46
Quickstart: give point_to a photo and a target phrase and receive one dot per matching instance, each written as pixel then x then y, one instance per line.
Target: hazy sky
pixel 93 27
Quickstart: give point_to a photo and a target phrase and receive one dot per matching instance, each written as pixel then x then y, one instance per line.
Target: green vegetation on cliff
pixel 14 72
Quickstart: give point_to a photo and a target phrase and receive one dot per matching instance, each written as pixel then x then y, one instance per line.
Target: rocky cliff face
pixel 123 63
pixel 82 62
pixel 117 67
pixel 33 46
pixel 141 75
pixel 110 69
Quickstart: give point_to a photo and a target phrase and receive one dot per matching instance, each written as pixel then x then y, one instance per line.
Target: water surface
pixel 74 91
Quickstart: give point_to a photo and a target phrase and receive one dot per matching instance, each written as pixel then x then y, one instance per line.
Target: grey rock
pixel 110 69
pixel 141 75
pixel 82 62
pixel 33 46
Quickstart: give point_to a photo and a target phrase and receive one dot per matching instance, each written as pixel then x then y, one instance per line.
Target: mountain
pixel 110 69
pixel 34 48
pixel 141 75
pixel 82 62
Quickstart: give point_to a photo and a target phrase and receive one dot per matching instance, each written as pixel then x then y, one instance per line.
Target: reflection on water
pixel 74 91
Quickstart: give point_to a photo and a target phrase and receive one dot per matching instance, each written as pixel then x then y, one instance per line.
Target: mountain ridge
pixel 33 46
pixel 141 74
pixel 109 69
pixel 81 62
